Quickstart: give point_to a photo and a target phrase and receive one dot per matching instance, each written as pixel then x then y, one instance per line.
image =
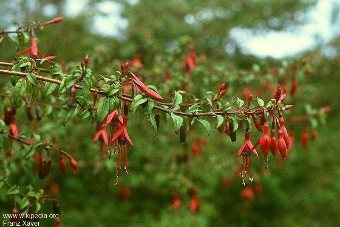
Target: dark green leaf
pixel 206 125
pixel 103 109
pixel 178 121
pixel 220 120
pixel 13 190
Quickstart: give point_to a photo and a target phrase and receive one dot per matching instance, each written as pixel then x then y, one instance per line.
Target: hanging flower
pixel 33 50
pixel 194 204
pixel 265 140
pixel 13 128
pixel 247 147
pixel 176 202
pixel 120 139
pixel 281 145
pixel 284 131
pixel 101 133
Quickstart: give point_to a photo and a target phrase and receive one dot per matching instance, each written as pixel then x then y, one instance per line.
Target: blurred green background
pixel 302 191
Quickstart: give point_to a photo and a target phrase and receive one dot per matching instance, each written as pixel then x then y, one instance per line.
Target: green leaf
pixel 178 98
pixel 32 78
pixel 105 88
pixel 150 106
pixel 30 151
pixel 193 108
pixel 239 102
pixel 20 88
pixel 113 91
pixel 269 104
pixel 235 122
pixel 49 88
pixel 256 68
pixel 209 101
pixel 103 108
pixel 314 123
pixel 260 102
pixel 220 120
pixel 55 71
pixel 24 203
pixel 178 121
pixel 37 207
pixel 68 115
pixel 206 125
pixel 153 121
pixel 85 114
pixel 13 190
pixel 135 105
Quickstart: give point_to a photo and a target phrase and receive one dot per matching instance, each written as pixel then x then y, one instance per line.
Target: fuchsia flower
pixel 33 50
pixel 121 135
pixel 176 202
pixel 13 128
pixel 284 131
pixel 247 147
pixel 281 145
pixel 265 140
pixel 101 134
pixel 101 129
pixel 54 20
pixel 194 204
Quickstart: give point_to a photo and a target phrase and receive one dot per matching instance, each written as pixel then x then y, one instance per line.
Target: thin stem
pixel 11 64
pixel 160 106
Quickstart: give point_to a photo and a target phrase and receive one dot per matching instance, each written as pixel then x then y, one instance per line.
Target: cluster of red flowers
pixel 117 139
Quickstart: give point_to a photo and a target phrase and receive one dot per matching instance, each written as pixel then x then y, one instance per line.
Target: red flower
pixel 176 202
pixel 247 147
pixel 73 164
pixel 13 128
pixel 221 92
pixel 33 49
pixel 121 135
pixel 136 62
pixel 265 140
pixel 101 134
pixel 196 148
pixel 62 164
pixel 190 62
pixel 54 20
pixel 194 204
pixel 141 86
pixel 124 193
pixel 247 194
pixel 281 145
pixel 284 131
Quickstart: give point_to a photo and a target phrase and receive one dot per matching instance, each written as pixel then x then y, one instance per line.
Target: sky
pixel 276 44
